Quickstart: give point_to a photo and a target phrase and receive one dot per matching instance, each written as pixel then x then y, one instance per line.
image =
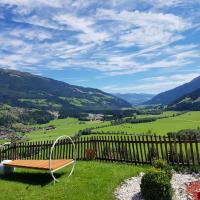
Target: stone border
pixel 130 188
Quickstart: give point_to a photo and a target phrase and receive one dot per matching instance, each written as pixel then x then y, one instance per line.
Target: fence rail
pixel 133 149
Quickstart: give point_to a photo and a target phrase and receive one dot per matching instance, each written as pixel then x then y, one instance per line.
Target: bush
pixel 156 185
pixel 187 169
pixel 186 133
pixel 163 165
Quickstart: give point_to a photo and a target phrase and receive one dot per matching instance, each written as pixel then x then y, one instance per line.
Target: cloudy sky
pixel 142 46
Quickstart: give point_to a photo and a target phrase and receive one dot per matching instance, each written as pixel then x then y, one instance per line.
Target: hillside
pixel 21 89
pixel 134 98
pixel 190 101
pixel 166 98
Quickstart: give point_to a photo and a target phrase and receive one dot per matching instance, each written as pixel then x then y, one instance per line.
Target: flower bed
pixel 193 190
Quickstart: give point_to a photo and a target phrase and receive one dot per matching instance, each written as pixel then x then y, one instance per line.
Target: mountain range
pixel 134 98
pixel 190 101
pixel 22 89
pixel 25 90
pixel 170 96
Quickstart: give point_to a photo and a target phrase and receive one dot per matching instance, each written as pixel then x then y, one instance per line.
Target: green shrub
pixel 187 169
pixel 156 185
pixel 168 171
pixel 163 165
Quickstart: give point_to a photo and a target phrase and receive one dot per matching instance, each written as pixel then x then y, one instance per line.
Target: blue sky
pixel 140 46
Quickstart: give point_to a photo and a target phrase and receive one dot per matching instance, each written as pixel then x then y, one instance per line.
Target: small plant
pixel 156 185
pixel 90 154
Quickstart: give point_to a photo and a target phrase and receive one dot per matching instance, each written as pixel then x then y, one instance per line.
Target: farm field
pixel 189 120
pixel 164 114
pixel 68 126
pixel 90 180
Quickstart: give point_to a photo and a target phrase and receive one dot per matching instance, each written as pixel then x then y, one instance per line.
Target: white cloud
pixel 147 36
pixel 11 44
pixel 77 23
pixel 153 87
pixel 80 4
pixel 154 84
pixel 112 37
pixel 143 19
pixel 63 54
pixel 31 34
pixel 39 21
pixel 175 57
pixel 96 37
pixel 184 78
pixel 84 25
pixel 34 3
pixel 17 62
pixel 145 28
pixel 170 3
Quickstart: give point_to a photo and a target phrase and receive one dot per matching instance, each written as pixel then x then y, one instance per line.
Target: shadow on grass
pixel 31 178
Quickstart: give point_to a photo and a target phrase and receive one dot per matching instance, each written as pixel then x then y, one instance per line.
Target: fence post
pixel 191 149
pixel 197 150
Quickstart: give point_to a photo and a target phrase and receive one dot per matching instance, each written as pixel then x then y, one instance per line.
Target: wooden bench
pixel 48 165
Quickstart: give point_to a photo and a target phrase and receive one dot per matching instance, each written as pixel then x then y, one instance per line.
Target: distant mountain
pixel 21 89
pixel 165 98
pixel 134 98
pixel 190 101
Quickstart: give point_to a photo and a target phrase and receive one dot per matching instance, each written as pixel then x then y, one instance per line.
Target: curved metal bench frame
pixel 50 158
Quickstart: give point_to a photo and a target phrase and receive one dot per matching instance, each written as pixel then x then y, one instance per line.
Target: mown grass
pixel 189 120
pixel 91 181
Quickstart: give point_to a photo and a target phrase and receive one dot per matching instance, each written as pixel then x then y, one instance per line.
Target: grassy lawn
pixel 91 181
pixel 189 120
pixel 67 126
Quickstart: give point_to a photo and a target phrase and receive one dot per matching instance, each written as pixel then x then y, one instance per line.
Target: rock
pixel 141 174
pixel 130 189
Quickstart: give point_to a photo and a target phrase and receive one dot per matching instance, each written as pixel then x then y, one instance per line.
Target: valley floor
pixel 70 126
pixel 189 120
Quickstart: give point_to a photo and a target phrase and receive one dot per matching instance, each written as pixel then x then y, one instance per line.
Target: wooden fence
pixel 132 149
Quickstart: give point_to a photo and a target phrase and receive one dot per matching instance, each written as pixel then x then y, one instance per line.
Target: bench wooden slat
pixel 39 164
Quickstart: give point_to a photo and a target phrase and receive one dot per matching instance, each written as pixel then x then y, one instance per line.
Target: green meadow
pixel 70 126
pixel 164 114
pixel 189 120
